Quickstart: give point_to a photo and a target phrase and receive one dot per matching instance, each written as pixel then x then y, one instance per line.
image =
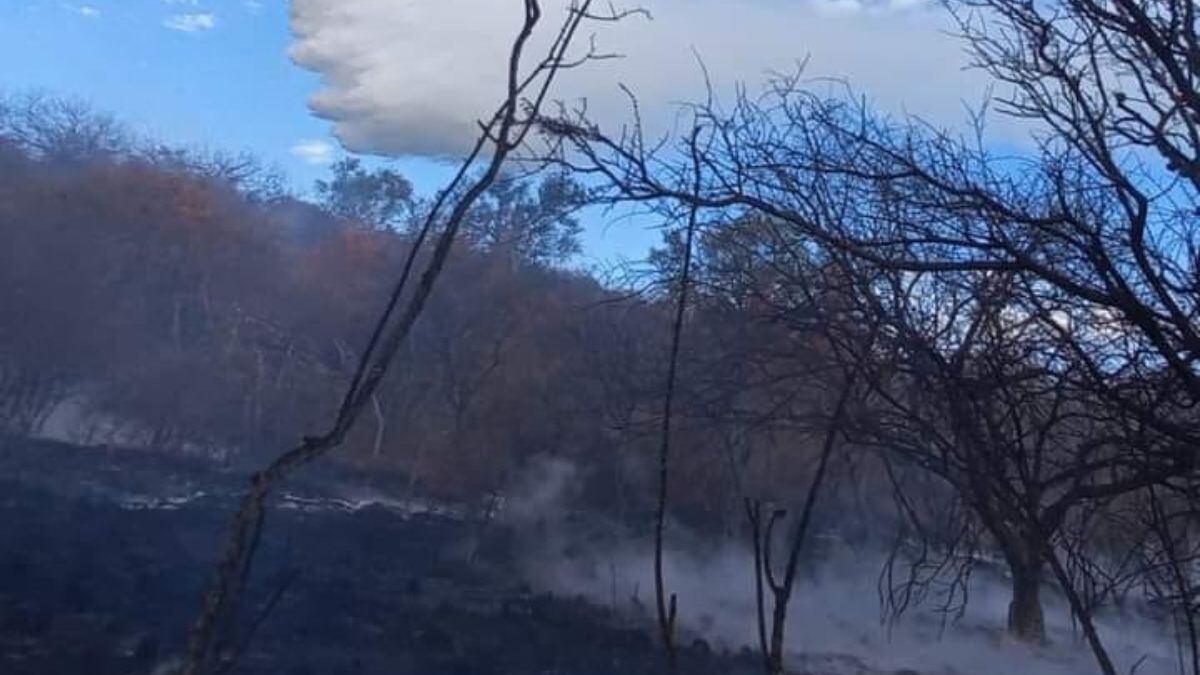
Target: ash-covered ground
pixel 105 555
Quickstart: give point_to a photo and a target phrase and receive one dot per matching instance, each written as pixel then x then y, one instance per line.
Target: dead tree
pixel 1172 556
pixel 1100 245
pixel 763 537
pixel 970 391
pixel 667 608
pixel 500 135
pixel 1104 237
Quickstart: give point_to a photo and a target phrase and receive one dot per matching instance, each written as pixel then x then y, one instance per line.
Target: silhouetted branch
pixel 502 133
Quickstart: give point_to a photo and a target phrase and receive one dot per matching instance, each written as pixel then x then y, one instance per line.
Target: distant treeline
pixel 184 301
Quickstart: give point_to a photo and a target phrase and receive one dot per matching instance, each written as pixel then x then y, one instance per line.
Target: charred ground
pixel 106 554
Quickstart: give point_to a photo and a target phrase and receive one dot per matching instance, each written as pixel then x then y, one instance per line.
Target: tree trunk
pixel 380 426
pixel 1025 620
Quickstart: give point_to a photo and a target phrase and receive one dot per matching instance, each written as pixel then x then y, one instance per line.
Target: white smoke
pixel 834 622
pixel 836 613
pixel 411 76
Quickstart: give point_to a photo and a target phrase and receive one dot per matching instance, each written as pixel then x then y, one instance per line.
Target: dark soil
pixel 101 573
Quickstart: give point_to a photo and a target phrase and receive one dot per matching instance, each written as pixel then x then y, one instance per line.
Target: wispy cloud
pixel 254 6
pixel 191 22
pixel 314 151
pixel 86 11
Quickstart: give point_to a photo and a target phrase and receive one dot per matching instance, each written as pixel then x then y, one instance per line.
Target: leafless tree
pixel 1169 518
pixel 500 135
pixel 58 130
pixel 1094 233
pixel 763 539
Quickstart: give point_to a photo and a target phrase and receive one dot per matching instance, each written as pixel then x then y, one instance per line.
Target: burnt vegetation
pixel 859 327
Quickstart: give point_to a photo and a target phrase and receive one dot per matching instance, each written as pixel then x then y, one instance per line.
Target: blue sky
pixel 212 73
pixel 409 76
pixel 230 86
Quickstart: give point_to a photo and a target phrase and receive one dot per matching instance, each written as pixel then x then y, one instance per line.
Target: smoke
pixel 412 76
pixel 834 619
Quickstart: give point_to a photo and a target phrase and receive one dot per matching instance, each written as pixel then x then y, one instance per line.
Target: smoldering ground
pixel 836 623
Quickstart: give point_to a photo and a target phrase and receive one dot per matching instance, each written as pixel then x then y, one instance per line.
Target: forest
pixel 860 333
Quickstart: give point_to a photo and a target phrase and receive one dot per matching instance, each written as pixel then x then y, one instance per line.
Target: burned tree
pixel 1092 236
pixel 762 534
pixel 969 390
pixel 505 132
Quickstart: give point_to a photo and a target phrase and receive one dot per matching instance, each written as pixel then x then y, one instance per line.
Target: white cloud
pixel 411 76
pixel 191 3
pixel 191 22
pixel 86 11
pixel 254 6
pixel 314 151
